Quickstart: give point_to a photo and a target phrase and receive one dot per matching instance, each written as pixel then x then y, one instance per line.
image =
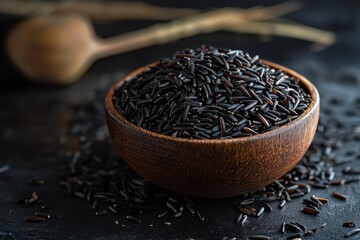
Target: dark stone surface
pixel 33 117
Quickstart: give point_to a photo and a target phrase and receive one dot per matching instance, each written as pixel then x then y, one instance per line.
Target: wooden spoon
pixel 58 48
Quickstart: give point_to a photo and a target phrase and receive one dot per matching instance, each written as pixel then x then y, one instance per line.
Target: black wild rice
pixel 101 212
pixel 245 217
pixel 34 219
pixel 349 224
pixel 301 226
pixel 258 237
pixel 4 169
pixel 34 198
pixel 171 207
pixel 99 171
pixel 43 215
pixel 200 215
pixel 292 227
pixel 294 236
pixel 36 181
pixel 112 209
pixel 133 219
pixel 260 212
pixel 267 207
pixel 247 201
pixel 339 196
pixel 208 93
pixel 321 199
pixel 178 214
pixel 238 220
pixel 310 211
pixel 352 233
pixel 283 228
pixel 163 214
pixel 248 211
pixel 282 204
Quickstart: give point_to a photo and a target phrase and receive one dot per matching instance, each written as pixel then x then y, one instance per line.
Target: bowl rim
pixel 304 82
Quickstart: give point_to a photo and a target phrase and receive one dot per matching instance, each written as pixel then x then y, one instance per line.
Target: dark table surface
pixel 34 117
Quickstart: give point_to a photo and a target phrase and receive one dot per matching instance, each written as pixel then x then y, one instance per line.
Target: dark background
pixel 32 117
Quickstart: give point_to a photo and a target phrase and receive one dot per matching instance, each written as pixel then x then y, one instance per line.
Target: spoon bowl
pixel 54 49
pixel 214 168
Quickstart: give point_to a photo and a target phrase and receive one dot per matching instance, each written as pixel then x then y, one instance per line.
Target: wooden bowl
pixel 214 168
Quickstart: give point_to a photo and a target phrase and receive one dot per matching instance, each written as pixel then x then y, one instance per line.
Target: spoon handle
pixel 162 33
pixel 201 23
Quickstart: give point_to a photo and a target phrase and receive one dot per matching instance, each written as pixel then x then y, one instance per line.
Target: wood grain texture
pixel 214 168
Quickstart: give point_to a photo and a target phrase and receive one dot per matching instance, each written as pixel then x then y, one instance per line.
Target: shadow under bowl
pixel 214 168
